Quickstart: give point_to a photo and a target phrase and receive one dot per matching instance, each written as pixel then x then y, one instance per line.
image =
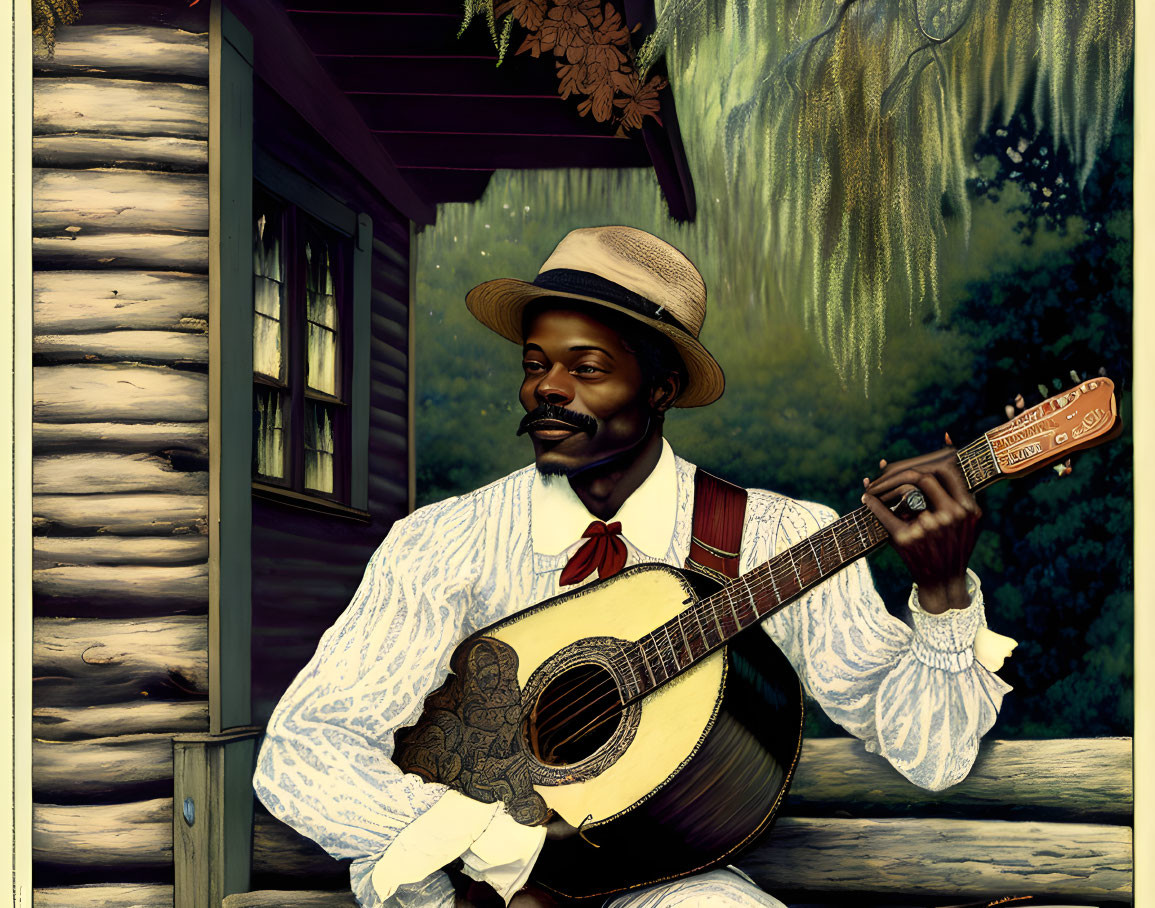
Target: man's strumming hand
pixel 935 544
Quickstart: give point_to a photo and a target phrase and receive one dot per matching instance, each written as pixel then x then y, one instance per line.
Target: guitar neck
pixel 1078 418
pixel 710 622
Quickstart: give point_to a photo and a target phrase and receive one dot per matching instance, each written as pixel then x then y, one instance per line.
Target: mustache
pixel 554 413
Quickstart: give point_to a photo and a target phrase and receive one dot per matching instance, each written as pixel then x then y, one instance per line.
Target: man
pixel 609 334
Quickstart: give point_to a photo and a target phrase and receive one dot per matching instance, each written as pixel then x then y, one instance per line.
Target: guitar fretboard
pixel 693 634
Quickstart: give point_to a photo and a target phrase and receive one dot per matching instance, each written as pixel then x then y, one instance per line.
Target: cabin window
pixel 307 250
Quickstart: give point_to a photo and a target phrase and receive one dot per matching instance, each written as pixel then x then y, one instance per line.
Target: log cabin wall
pixel 120 258
pixel 307 565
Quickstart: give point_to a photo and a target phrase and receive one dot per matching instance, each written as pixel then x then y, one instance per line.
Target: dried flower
pixel 567 31
pixel 529 13
pixel 599 101
pixel 608 40
pixel 572 79
pixel 642 102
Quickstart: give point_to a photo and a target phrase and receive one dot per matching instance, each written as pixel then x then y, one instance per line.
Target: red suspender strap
pixel 716 537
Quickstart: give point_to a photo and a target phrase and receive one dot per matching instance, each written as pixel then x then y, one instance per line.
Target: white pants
pixel 723 887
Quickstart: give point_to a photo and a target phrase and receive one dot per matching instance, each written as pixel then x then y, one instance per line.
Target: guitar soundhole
pixel 576 713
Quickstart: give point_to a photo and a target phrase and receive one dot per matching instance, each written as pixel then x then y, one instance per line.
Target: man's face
pixel 574 362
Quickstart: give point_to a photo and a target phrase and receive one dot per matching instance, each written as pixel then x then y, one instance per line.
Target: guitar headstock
pixel 1080 417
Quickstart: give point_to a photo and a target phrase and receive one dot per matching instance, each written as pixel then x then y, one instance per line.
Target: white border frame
pixel 1144 473
pixel 16 459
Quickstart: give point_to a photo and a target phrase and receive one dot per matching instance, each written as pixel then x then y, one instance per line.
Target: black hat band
pixel 585 283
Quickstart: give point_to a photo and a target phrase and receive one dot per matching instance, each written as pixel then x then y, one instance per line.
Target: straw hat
pixel 619 268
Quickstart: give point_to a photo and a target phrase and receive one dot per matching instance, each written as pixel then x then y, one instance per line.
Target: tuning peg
pixel 1043 392
pixel 1010 411
pixel 1102 370
pixel 1064 468
pixel 1075 376
pixel 1019 402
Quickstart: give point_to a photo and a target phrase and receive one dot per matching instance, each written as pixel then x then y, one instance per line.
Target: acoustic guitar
pixel 635 708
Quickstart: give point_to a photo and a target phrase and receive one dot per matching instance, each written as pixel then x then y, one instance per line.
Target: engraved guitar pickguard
pixel 469 736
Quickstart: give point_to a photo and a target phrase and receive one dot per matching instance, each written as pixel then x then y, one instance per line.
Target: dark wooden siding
pixel 306 566
pixel 120 583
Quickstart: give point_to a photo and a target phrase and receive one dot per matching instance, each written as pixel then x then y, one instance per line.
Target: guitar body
pixel 637 710
pixel 677 781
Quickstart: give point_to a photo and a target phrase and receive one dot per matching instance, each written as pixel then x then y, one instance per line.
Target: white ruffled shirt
pixel 922 696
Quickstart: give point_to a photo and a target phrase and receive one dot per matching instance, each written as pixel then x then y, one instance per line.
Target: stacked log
pixel 120 446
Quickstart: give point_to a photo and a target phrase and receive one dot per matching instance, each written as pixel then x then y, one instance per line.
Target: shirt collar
pixel 558 518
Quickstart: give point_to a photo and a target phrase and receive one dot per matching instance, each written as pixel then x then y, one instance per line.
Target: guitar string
pixel 608 690
pixel 976 454
pixel 604 686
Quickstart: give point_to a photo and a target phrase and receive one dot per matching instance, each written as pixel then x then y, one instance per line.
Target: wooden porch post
pixel 213 803
pixel 212 816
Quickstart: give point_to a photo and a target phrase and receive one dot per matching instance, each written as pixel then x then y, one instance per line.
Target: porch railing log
pixel 74 301
pixel 1086 779
pixel 99 765
pixel 123 250
pixel 122 346
pixel 128 515
pixel 135 835
pixel 99 49
pixel 63 551
pixel 119 107
pixel 104 895
pixel 912 855
pixel 132 201
pixel 134 393
pixel 933 857
pixel 136 152
pixel 121 437
pixel 107 720
pixel 78 474
pixel 84 662
pixel 277 898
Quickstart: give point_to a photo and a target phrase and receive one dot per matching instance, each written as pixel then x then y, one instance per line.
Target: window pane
pixel 268 433
pixel 266 346
pixel 319 446
pixel 268 286
pixel 322 362
pixel 321 309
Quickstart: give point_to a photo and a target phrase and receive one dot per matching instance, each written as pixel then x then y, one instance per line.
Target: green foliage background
pixel 1042 287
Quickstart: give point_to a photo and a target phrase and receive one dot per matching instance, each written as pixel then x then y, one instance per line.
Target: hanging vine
pixel 852 124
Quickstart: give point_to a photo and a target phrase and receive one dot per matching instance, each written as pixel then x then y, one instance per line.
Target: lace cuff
pixel 946 641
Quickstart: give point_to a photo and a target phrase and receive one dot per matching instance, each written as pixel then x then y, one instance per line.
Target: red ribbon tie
pixel 602 551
